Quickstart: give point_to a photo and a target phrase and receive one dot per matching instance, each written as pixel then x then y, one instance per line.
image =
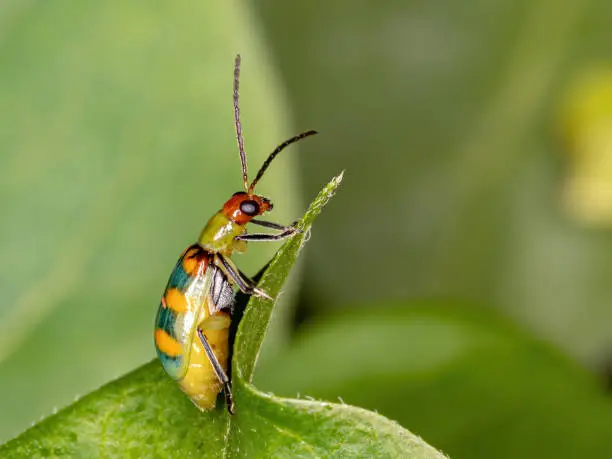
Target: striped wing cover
pixel 183 306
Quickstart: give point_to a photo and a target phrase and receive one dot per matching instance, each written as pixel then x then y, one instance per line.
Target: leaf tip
pixel 338 178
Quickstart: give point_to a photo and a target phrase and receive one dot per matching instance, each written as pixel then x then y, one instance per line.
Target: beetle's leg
pixel 265 237
pixel 287 231
pixel 218 369
pixel 277 226
pixel 245 284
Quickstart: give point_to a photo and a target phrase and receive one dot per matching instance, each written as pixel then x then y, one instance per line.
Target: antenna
pixel 239 138
pixel 278 149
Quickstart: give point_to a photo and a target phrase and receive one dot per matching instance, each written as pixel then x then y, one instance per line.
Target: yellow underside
pixel 200 382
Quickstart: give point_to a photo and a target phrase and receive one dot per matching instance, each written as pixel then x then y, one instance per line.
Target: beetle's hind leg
pixel 219 372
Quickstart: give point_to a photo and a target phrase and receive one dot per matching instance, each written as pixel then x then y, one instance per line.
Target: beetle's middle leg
pixel 245 284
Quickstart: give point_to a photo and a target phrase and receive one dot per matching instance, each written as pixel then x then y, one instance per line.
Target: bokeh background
pixel 459 283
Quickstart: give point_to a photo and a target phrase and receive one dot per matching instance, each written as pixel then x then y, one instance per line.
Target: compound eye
pixel 250 208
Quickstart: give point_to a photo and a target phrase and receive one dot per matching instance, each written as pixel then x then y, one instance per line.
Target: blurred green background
pixel 461 280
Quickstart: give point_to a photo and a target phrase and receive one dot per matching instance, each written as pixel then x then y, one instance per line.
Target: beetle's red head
pixel 242 207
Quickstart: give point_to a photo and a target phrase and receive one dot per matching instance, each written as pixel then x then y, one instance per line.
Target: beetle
pixel 194 316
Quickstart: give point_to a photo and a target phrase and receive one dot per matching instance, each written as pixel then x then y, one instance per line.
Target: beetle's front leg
pixel 286 232
pixel 277 226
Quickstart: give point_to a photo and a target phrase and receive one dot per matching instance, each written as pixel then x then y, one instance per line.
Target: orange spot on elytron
pixel 191 262
pixel 175 300
pixel 166 343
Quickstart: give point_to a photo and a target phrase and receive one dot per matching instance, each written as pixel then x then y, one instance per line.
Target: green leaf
pixel 466 380
pixel 116 145
pixel 144 414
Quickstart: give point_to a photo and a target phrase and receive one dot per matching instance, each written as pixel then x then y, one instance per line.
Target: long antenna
pixel 239 138
pixel 278 149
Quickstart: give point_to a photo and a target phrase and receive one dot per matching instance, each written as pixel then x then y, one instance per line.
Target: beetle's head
pixel 243 206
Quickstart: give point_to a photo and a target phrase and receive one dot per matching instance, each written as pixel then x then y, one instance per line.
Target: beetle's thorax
pixel 219 235
pixel 221 230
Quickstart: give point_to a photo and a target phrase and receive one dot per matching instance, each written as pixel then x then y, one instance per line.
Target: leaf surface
pixel 466 380
pixel 144 413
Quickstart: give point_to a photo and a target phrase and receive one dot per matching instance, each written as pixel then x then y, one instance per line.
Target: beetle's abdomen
pixel 200 383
